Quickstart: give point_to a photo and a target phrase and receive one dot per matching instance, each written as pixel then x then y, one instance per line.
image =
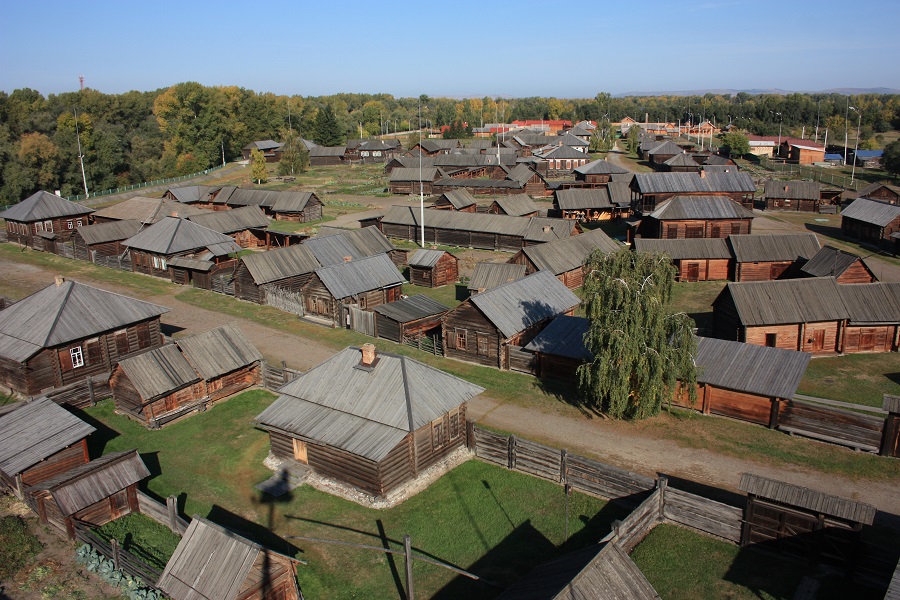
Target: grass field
pixel 856 378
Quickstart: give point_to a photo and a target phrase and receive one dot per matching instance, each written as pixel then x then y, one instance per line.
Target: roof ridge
pixel 59 313
pixel 409 409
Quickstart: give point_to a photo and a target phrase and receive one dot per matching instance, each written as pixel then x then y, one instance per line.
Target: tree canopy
pixel 294 155
pixel 640 348
pixel 891 158
pixel 327 129
pixel 257 166
pixel 736 143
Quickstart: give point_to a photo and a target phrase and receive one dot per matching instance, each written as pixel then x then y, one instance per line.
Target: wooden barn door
pixel 118 505
pixel 816 340
pixel 300 451
pixel 693 271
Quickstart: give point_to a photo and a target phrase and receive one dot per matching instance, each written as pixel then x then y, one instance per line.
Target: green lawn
pixel 143 537
pixel 491 521
pixel 448 295
pixel 682 564
pixel 857 378
pixel 695 298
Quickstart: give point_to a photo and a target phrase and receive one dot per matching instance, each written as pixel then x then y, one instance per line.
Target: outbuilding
pixel 699 259
pixel 793 195
pixel 871 220
pixel 844 266
pixel 771 256
pixel 409 319
pixel 488 275
pixel 565 258
pixel 364 283
pixel 433 268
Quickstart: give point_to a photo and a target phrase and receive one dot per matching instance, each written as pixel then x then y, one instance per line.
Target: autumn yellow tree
pixel 39 154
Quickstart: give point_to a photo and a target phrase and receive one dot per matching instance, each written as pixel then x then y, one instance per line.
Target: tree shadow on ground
pixel 567 393
pixel 98 439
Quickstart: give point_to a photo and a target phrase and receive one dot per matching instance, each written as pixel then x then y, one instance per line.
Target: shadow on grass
pixel 250 530
pixel 462 292
pixel 567 393
pixel 97 440
pixel 895 377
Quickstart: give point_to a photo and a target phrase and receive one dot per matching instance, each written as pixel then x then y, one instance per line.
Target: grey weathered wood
pixel 172 510
pixel 115 552
pixel 407 548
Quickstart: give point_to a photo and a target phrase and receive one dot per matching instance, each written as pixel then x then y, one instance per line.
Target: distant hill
pixel 755 92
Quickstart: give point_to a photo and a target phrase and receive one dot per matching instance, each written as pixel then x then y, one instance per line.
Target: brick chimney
pixel 59 280
pixel 348 258
pixel 702 173
pixel 368 354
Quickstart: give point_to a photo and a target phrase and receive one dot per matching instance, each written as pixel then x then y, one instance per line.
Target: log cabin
pixel 518 179
pixel 246 225
pixel 201 196
pixel 39 440
pixel 192 373
pixel 598 172
pixel 458 200
pixel 771 256
pixel 559 348
pixel 884 191
pixel 592 204
pixel 332 245
pixel 155 246
pixel 409 318
pixel 214 562
pixel 43 215
pixel 390 419
pixel 700 259
pixel 491 327
pixel 413 180
pixel 433 268
pixel 484 231
pixel 518 205
pixel 145 210
pixel 871 221
pixel 565 259
pixel 686 217
pixel 297 207
pixel 327 155
pixel 68 331
pixel 103 240
pixel 874 317
pixel 661 152
pixel 488 275
pixel 270 149
pixel 651 189
pixel 561 160
pixel 287 269
pixel 94 493
pixel 365 283
pixel 792 195
pixel 680 163
pixel 845 267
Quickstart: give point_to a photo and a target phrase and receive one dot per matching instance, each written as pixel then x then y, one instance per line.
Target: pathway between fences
pixel 122 559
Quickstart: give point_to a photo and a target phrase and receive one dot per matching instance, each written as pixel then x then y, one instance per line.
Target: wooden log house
pixel 699 259
pixel 245 225
pixel 297 207
pixel 559 348
pixel 214 562
pixel 488 275
pixel 390 418
pixel 598 172
pixel 871 221
pixel 845 267
pixel 409 319
pixel 412 180
pixel 333 245
pixel 458 200
pixel 518 205
pixel 874 317
pixel 651 189
pixel 883 191
pixel 593 204
pixel 39 440
pixel 43 216
pixel 103 240
pixel 491 327
pixel 321 156
pixel 564 259
pixel 68 331
pixel 792 195
pixel 771 256
pixel 145 210
pixel 433 268
pixel 287 269
pixel 688 217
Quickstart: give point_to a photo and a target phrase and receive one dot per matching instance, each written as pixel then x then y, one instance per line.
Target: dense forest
pixel 139 136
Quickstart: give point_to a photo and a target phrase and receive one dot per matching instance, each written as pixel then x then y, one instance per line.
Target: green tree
pixel 633 139
pixel 327 129
pixel 891 158
pixel 640 348
pixel 736 143
pixel 294 155
pixel 257 166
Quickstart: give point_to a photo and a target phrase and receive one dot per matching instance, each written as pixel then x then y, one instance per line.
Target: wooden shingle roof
pixel 413 308
pixel 794 495
pixel 682 159
pixel 43 205
pixel 680 249
pixel 786 301
pixel 333 245
pixel 489 275
pixel 218 351
pixel 373 409
pixel 192 193
pixel 666 147
pixel 794 190
pixel 600 167
pixel 582 199
pixel 37 430
pixel 281 263
pixel 565 255
pixel 232 221
pixel 871 211
pixel 292 202
pixel 172 235
pixel 513 307
pixel 564 337
pixel 710 182
pixel 517 205
pixel 159 372
pixel 413 174
pixel 325 151
pixel 772 372
pixel 347 279
pixel 113 231
pixel 830 262
pixel 425 257
pixel 530 228
pixel 148 210
pixel 678 208
pixel 458 199
pixel 872 303
pixel 773 247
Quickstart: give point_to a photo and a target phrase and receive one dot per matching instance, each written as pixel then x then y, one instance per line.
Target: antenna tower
pixel 81 81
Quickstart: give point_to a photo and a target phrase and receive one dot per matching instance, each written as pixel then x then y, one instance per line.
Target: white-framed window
pixel 155 262
pixel 162 263
pixel 376 153
pixel 69 224
pixel 48 225
pixel 77 356
pixel 38 227
pixel 79 223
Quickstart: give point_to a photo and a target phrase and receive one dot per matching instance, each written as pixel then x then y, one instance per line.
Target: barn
pixel 43 214
pixel 488 275
pixel 39 440
pixel 145 210
pixel 245 225
pixel 698 259
pixel 559 348
pixel 95 493
pixel 458 200
pixel 103 241
pixel 793 195
pixel 409 319
pixel 871 220
pixel 517 205
pixel 696 217
pixel 845 267
pixel 212 562
pixel 390 418
pixel 299 207
pixel 68 331
pixel 433 268
pixel 565 258
pixel 771 256
pixel 491 327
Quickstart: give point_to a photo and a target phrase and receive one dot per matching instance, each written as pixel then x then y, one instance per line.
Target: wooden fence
pixel 166 514
pixel 83 393
pixel 123 560
pixel 426 343
pixel 273 377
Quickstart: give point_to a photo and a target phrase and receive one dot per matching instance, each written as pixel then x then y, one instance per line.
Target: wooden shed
pixel 771 256
pixel 565 258
pixel 884 191
pixel 874 317
pixel 327 155
pixel 458 200
pixel 559 348
pixel 288 269
pixel 68 331
pixel 409 319
pixel 488 275
pixel 245 225
pixel 699 259
pixel 216 563
pixel 490 328
pixel 103 241
pixel 696 217
pixel 94 493
pixel 871 220
pixel 845 267
pixel 364 283
pixel 333 245
pixel 39 440
pixel 598 172
pixel 650 189
pixel 433 268
pixel 390 418
pixel 145 210
pixel 661 152
pixel 43 213
pixel 517 205
pixel 299 207
pixel 793 195
pixel 593 204
pixel 412 180
pixel 810 525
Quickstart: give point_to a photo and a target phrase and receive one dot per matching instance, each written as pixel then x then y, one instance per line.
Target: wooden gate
pixel 361 320
pixel 222 284
pixel 285 300
pixel 521 360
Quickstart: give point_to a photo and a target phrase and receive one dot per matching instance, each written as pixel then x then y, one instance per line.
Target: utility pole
pixel 421 185
pixel 80 155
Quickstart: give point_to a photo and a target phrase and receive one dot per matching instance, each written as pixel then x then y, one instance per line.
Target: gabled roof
pixel 772 372
pixel 515 306
pixel 172 235
pixel 43 205
pixel 235 196
pixel 531 228
pixel 63 313
pixel 680 249
pixel 567 139
pixel 412 174
pixel 581 199
pixel 564 336
pixel 232 221
pixel 682 160
pixel 830 262
pixel 37 430
pixel 148 210
pixel 679 208
pixel 794 495
pixel 876 186
pixel 113 231
pixel 489 275
pixel 666 147
pixel 281 263
pixel 425 257
pixel 458 199
pixel 88 483
pixel 600 167
pixel 794 190
pixel 292 202
pixel 567 254
pixel 786 301
pixel 159 372
pixel 872 303
pixel 263 145
pixel 517 205
pixel 561 152
pixel 192 193
pixel 372 409
pixel 333 245
pixel 774 247
pixel 324 151
pixel 218 351
pixel 413 308
pixel 521 174
pixel 874 212
pixel 667 182
pixel 364 275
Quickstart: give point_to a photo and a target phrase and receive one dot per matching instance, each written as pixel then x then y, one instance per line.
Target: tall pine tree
pixel 640 348
pixel 328 130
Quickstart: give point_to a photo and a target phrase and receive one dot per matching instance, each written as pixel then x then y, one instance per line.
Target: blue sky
pixel 451 48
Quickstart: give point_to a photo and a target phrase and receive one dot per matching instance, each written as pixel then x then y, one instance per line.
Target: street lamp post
pixel 855 146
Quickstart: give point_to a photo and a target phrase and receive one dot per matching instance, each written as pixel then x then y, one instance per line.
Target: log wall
pixel 482 340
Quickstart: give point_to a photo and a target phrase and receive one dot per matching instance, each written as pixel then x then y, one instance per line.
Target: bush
pixel 17 546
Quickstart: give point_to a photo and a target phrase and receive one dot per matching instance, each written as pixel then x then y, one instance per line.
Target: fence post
pixel 172 508
pixel 563 466
pixel 284 374
pixel 511 453
pixel 115 553
pixel 407 550
pixel 661 484
pixel 470 435
pixel 90 385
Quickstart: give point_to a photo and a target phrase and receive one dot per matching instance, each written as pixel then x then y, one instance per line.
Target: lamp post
pixel 855 146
